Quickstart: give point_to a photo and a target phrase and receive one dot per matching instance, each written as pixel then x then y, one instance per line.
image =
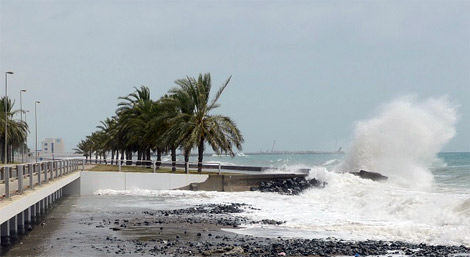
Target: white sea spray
pixel 403 140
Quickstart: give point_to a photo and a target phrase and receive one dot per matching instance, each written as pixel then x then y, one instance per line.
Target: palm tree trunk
pixel 12 155
pixel 159 158
pixel 186 160
pixel 128 157
pixel 200 150
pixel 122 157
pixel 3 152
pixel 117 157
pixel 147 157
pixel 112 157
pixel 104 157
pixel 173 159
pixel 139 158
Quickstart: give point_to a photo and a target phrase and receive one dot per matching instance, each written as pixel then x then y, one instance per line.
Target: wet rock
pixel 271 222
pixel 370 175
pixel 292 186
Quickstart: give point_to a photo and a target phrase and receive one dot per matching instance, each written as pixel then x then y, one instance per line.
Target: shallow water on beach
pixel 71 226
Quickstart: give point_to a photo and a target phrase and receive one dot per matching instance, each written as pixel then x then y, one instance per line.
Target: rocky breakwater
pixel 292 186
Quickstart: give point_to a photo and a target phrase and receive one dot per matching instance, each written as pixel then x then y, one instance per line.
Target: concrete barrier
pixel 236 183
pixel 91 181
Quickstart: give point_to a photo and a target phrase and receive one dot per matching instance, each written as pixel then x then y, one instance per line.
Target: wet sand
pixel 71 229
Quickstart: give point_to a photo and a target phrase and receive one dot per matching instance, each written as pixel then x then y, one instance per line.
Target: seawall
pixel 92 181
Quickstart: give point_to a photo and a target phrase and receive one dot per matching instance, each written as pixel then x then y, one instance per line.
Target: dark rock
pixel 292 186
pixel 370 175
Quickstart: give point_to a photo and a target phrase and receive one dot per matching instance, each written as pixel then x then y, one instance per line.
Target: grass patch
pixel 104 168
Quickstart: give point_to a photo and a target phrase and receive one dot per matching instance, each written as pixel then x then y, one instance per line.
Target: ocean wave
pixel 331 162
pixel 353 208
pixel 464 208
pixel 221 163
pixel 402 142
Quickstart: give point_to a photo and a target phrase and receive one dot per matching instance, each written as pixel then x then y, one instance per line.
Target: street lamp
pixel 26 143
pixel 6 115
pixel 21 118
pixel 36 124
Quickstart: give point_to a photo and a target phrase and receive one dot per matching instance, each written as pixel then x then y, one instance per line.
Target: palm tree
pixel 177 110
pixel 168 137
pixel 17 130
pixel 182 119
pixel 98 145
pixel 108 127
pixel 84 147
pixel 195 125
pixel 131 131
pixel 157 124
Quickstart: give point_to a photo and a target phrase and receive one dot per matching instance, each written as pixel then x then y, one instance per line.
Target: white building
pixel 52 146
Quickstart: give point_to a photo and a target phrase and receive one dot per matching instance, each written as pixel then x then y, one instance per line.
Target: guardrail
pixel 15 179
pixel 215 167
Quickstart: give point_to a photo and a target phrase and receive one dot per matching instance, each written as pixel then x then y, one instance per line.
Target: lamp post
pixel 26 121
pixel 21 118
pixel 6 115
pixel 36 125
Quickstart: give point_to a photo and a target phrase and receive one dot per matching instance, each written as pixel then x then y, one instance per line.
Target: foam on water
pixel 403 140
pixel 331 162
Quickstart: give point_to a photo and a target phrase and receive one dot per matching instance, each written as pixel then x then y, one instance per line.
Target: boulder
pixel 375 176
pixel 292 186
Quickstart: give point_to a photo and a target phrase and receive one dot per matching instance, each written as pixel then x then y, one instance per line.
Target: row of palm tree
pixel 17 130
pixel 181 120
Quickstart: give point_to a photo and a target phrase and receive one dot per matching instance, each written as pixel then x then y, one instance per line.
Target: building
pixel 52 146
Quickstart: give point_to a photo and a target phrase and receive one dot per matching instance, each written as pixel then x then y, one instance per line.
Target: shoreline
pixel 195 231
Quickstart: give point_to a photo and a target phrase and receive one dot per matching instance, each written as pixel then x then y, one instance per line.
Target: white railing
pixel 15 179
pixel 208 167
pixel 153 164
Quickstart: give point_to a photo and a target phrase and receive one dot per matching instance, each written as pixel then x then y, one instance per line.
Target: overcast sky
pixel 304 72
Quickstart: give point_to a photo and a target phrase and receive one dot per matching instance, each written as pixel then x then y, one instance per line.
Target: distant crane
pixel 274 143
